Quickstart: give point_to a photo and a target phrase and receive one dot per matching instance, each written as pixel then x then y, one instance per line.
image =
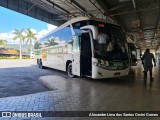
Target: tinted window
pixel 55 38
pixel 78 25
pixel 111 42
pixel 66 34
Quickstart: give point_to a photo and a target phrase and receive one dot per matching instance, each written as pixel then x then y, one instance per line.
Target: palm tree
pixel 37 45
pixel 19 35
pixel 3 43
pixel 51 42
pixel 30 37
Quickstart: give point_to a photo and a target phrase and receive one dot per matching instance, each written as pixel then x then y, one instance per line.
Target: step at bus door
pixel 76 70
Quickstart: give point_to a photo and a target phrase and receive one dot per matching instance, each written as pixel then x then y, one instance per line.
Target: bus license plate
pixel 117 73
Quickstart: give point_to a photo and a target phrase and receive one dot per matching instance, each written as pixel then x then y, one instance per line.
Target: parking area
pixel 20 77
pixel 109 51
pixel 129 93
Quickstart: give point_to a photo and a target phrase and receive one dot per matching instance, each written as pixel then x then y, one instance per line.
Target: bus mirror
pixel 93 29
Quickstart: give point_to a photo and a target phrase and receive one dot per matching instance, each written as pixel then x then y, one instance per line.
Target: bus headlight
pixel 99 65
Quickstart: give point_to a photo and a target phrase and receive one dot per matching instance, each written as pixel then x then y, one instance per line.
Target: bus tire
pixel 69 70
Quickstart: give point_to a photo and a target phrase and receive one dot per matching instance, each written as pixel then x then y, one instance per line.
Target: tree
pixel 19 35
pixel 51 42
pixel 37 45
pixel 3 43
pixel 30 37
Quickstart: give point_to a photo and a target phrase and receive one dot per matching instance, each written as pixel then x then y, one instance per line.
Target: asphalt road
pixel 20 77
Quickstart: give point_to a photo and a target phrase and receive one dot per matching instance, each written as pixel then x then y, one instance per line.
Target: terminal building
pixel 101 45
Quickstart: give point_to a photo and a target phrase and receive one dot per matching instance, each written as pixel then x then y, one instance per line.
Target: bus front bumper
pixel 100 73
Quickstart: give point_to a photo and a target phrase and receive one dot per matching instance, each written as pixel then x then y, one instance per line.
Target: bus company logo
pixel 6 114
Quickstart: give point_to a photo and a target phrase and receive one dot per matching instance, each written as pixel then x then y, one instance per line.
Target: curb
pixel 47 85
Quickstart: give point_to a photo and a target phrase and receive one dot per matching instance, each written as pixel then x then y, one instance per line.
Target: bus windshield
pixel 111 43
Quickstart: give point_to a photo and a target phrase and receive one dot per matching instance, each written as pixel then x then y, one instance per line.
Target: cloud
pixel 51 27
pixel 9 36
pixel 45 31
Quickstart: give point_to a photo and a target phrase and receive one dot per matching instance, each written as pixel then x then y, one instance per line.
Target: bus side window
pixel 66 34
pixel 76 44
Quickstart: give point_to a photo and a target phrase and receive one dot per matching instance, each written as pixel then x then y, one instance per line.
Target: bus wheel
pixel 69 70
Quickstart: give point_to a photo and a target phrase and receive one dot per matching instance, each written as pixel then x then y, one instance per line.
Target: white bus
pixel 132 51
pixel 85 47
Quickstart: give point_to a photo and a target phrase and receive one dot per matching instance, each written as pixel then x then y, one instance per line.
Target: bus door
pixel 76 68
pixel 86 54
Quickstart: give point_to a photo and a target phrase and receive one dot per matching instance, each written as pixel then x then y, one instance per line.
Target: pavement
pixel 129 93
pixel 20 77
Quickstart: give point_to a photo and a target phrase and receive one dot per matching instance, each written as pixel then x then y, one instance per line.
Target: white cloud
pixel 9 36
pixel 51 27
pixel 46 31
pixel 33 30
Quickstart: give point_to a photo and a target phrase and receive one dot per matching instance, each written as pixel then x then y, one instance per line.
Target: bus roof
pixel 89 18
pixel 77 20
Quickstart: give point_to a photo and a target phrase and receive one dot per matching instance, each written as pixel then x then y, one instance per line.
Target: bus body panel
pixel 55 60
pixel 101 73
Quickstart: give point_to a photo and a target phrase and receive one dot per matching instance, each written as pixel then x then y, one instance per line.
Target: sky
pixel 10 20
